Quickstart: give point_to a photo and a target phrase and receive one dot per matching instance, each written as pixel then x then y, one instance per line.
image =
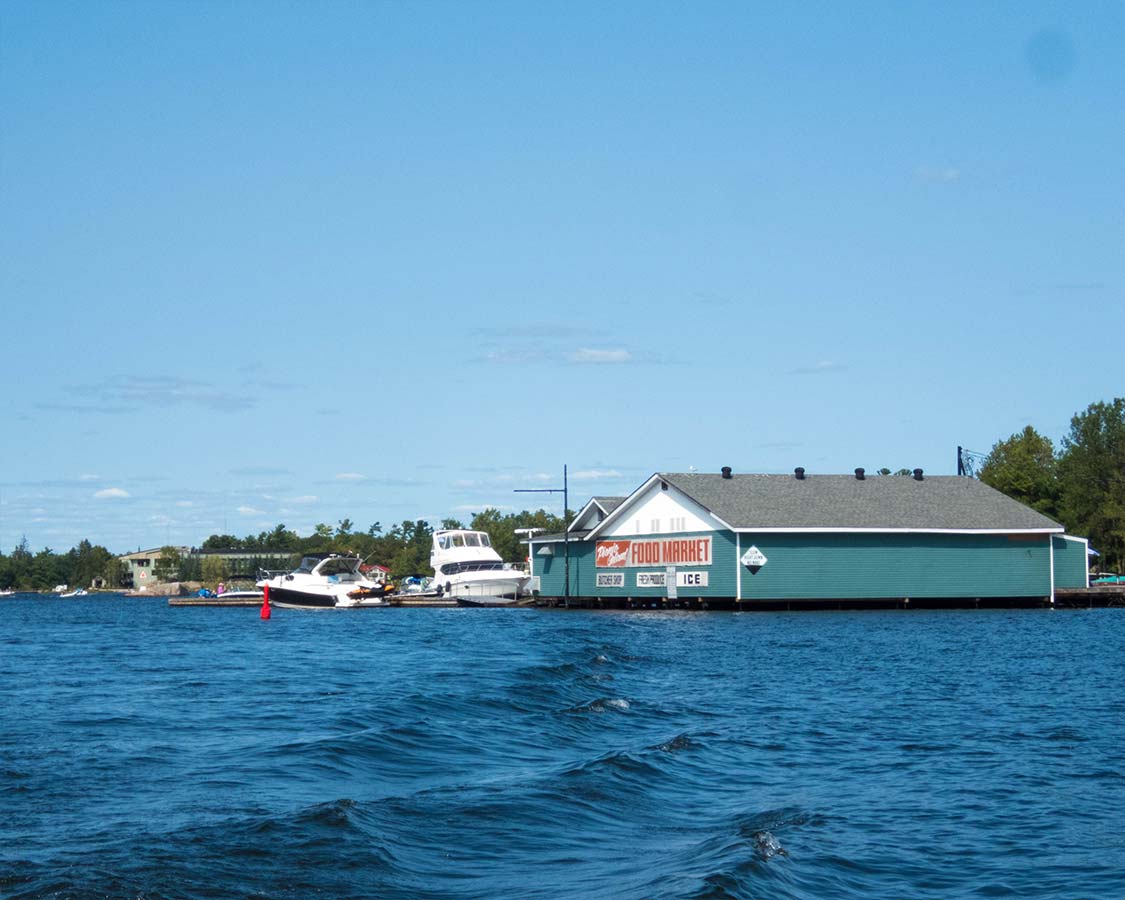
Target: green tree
pixel 214 570
pixel 167 564
pixel 281 538
pixel 88 562
pixel 500 535
pixel 222 542
pixel 1091 471
pixel 501 530
pixel 1024 468
pixel 48 570
pixel 115 573
pixel 19 564
pixel 412 554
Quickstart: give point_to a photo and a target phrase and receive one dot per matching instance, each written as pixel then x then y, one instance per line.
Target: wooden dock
pixel 407 601
pixel 214 601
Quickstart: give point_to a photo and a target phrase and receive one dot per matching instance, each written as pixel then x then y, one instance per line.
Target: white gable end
pixel 658 511
pixel 588 517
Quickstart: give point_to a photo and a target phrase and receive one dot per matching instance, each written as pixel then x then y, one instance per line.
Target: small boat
pixel 467 569
pixel 418 586
pixel 255 594
pixel 81 592
pixel 326 581
pixel 7 592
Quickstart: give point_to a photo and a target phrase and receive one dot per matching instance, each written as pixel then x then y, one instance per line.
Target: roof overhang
pixel 621 510
pixel 766 529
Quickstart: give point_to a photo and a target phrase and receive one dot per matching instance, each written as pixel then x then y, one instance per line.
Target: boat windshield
pixel 339 565
pixel 308 563
pixel 463 539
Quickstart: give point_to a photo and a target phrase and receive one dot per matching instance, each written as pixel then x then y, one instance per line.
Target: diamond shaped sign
pixel 754 559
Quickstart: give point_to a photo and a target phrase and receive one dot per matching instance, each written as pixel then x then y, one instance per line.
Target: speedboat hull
pixel 486 589
pixel 325 581
pixel 286 598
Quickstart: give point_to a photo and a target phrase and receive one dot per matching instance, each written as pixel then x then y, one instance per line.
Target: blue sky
pixel 272 263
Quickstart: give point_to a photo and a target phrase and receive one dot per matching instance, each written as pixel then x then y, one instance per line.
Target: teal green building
pixel 721 539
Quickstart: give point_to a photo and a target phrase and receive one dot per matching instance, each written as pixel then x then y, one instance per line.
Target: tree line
pixel 1080 483
pixel 404 549
pixel 80 566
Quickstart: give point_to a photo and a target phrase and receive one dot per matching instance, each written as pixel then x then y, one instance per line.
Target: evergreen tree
pixel 1092 479
pixel 1024 468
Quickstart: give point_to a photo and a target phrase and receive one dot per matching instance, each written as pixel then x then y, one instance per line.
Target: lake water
pixel 150 752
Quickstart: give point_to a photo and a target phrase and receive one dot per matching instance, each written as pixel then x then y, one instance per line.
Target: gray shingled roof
pixel 843 501
pixel 609 504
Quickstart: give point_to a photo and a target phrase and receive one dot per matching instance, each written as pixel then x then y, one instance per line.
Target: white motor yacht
pixel 326 581
pixel 469 570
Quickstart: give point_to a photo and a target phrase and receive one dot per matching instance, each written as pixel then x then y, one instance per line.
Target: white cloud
pixel 587 355
pixel 183 503
pixel 250 511
pixel 89 477
pixel 594 474
pixel 307 498
pixel 825 365
pixel 480 507
pixel 351 476
pixel 110 494
pixel 941 174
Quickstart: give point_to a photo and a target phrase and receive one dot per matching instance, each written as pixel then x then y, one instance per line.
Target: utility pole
pixel 566 530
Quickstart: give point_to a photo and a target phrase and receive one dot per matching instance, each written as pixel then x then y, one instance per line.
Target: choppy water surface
pixel 149 752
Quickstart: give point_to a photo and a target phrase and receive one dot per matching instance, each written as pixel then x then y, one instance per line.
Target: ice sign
pixel 753 559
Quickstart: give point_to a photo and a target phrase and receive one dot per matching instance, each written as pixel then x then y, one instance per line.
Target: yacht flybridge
pixel 469 570
pixel 326 581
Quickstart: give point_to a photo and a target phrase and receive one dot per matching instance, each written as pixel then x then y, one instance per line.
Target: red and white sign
pixel 695 551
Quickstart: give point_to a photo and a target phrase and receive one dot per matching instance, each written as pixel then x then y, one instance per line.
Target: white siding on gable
pixel 587 518
pixel 656 511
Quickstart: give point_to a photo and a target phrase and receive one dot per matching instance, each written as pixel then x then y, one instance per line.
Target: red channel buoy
pixel 265 601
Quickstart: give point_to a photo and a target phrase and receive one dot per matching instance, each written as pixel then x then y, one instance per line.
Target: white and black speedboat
pixel 326 581
pixel 467 569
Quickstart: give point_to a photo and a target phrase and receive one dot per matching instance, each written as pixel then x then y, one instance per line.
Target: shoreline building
pixel 240 564
pixel 705 540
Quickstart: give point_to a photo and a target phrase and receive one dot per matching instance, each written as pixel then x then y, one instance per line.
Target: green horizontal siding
pixel 870 566
pixel 721 574
pixel 1070 563
pixel 804 566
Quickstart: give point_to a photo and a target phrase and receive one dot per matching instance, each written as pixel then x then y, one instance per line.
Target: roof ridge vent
pixel 799 473
pixel 726 471
pixel 859 475
pixel 917 474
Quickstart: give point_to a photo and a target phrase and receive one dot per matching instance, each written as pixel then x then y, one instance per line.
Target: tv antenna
pixel 969 462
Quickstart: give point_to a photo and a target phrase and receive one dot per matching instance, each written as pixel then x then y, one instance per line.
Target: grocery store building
pixel 705 540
